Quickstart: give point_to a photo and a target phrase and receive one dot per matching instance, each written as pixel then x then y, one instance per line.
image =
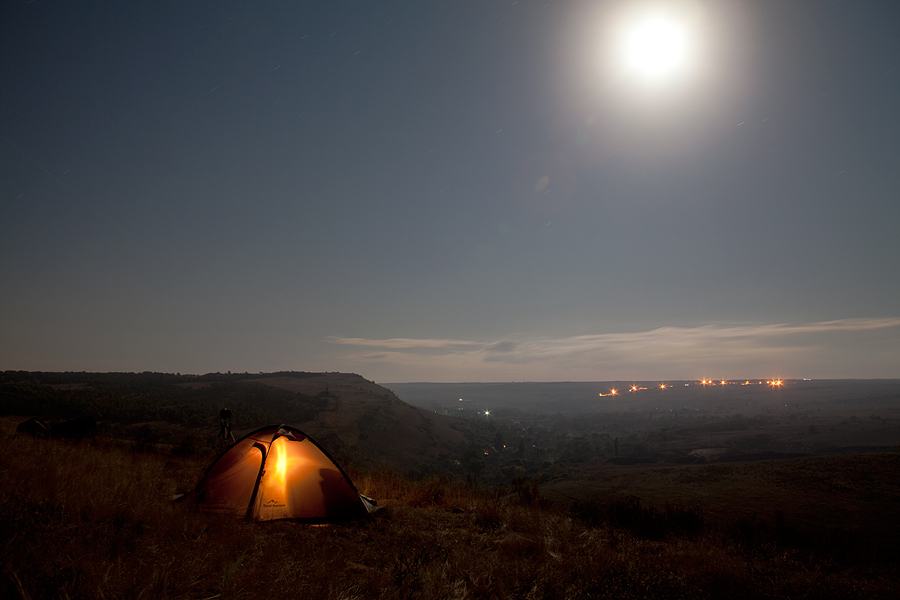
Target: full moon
pixel 654 47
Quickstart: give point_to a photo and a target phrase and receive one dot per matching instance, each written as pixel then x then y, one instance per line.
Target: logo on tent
pixel 273 504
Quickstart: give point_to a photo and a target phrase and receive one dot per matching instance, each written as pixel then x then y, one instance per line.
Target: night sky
pixel 450 191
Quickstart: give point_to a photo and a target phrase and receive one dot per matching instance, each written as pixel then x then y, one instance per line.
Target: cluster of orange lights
pixel 704 382
pixel 634 388
pixel 711 382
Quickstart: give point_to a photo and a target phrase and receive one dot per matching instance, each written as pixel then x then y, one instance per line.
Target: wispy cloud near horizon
pixel 404 343
pixel 729 350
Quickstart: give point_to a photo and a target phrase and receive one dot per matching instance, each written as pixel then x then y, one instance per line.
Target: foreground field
pixel 96 521
pixel 858 494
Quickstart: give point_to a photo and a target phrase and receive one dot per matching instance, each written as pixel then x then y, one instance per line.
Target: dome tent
pixel 278 472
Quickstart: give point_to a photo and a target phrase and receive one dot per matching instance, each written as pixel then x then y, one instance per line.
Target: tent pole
pixel 262 468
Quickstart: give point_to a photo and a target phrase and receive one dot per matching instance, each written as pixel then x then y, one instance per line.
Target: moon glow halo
pixel 655 47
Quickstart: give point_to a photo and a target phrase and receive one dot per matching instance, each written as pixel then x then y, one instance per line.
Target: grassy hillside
pixel 357 420
pixel 96 521
pixel 369 423
pixel 619 504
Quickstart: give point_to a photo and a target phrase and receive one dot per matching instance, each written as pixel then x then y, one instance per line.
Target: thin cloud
pixel 666 350
pixel 402 343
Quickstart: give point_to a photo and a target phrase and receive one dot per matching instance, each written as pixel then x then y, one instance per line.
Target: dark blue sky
pixel 449 191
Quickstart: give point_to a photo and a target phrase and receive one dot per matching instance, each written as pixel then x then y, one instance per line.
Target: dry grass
pixel 854 493
pixel 97 522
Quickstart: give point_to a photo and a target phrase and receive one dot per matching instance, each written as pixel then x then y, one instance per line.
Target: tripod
pixel 225 436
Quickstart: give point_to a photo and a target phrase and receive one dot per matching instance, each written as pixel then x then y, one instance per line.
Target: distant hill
pixel 373 425
pixel 354 419
pixel 498 433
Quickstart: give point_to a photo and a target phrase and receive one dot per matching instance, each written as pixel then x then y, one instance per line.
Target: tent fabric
pixel 278 472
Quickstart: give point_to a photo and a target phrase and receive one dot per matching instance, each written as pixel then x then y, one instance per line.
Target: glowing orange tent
pixel 278 472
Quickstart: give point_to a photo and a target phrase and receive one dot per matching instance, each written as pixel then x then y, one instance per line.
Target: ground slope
pixel 371 425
